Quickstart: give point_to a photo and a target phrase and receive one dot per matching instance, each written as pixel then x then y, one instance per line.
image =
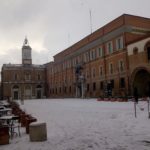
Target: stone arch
pixel 15 87
pixel 39 91
pixel 140 78
pixel 15 92
pixel 38 86
pixel 147 44
pixel 147 49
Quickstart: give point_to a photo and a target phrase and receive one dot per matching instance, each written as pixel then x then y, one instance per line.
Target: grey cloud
pixel 14 56
pixel 55 25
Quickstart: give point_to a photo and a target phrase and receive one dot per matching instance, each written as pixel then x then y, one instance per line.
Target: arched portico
pixel 39 91
pixel 15 92
pixel 147 49
pixel 140 79
pixel 27 92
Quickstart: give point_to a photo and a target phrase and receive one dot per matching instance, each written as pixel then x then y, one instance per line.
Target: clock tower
pixel 26 53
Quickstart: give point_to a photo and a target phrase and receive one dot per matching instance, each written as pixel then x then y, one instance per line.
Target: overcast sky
pixel 53 25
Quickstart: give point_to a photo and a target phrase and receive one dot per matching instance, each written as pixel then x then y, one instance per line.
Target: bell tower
pixel 26 53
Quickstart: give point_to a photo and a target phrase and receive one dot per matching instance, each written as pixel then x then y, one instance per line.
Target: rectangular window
pixel 78 60
pixel 101 85
pixel 56 90
pixel 87 74
pixel 109 47
pixel 88 87
pixel 122 82
pixel 110 68
pixel 100 71
pixel 16 76
pixel 39 77
pixel 65 89
pixel 93 72
pixel 94 86
pixel 121 66
pixel 27 77
pixel 92 54
pixel 112 83
pixel 87 56
pixel 119 43
pixel 70 89
pixel 100 52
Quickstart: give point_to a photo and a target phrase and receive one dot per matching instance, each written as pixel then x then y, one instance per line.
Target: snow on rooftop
pixel 86 124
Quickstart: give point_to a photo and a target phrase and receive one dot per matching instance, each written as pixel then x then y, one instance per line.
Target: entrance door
pixel 39 91
pixel 39 94
pixel 16 95
pixel 141 82
pixel 15 92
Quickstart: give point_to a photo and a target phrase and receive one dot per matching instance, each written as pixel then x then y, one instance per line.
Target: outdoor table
pixel 4 103
pixel 8 121
pixel 5 111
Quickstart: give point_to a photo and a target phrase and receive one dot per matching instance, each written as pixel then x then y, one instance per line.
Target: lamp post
pixel 22 97
pixel 82 81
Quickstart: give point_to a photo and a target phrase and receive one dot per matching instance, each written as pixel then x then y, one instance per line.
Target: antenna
pixel 90 20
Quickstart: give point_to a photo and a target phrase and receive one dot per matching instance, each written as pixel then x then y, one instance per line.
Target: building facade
pixel 112 61
pixel 23 81
pixel 139 65
pixel 99 64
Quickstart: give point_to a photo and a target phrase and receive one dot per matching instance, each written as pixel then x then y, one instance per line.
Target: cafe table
pixel 5 111
pixel 8 120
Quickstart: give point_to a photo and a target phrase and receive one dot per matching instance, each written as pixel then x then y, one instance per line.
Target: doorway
pixel 142 82
pixel 39 92
pixel 15 90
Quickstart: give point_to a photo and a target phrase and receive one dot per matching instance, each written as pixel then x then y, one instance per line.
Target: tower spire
pixel 26 53
pixel 26 43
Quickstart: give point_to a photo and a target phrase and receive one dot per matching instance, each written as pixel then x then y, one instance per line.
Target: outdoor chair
pixel 15 126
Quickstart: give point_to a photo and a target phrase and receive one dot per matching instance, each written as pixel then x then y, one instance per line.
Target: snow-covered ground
pixel 86 124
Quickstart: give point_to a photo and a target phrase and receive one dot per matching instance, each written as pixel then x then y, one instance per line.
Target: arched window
pixel 39 86
pixel 39 77
pixel 135 50
pixel 16 76
pixel 15 87
pixel 147 48
pixel 27 76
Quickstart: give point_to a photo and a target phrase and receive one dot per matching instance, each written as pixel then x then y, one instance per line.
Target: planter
pixel 4 135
